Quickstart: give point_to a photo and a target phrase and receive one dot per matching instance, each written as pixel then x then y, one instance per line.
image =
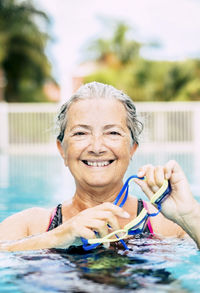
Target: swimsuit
pixel 56 217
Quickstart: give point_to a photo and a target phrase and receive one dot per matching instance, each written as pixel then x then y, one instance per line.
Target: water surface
pixel 152 264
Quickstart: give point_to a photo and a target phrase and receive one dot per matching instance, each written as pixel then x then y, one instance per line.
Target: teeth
pixel 97 164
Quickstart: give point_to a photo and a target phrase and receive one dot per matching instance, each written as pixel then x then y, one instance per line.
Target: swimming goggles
pixel 137 225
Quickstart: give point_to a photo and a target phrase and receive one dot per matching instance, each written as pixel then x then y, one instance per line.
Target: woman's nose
pixel 97 144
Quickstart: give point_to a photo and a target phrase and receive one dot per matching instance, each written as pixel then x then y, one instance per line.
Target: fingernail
pixel 126 215
pixel 140 174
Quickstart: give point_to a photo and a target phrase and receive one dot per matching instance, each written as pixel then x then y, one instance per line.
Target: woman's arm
pixel 82 225
pixel 25 223
pixel 180 207
pixel 44 240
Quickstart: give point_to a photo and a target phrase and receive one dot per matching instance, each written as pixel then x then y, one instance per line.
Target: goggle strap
pixel 135 232
pixel 120 193
pixel 90 247
pixel 155 214
pixel 125 187
pixel 125 197
pixel 85 242
pixel 121 240
pixel 123 243
pixel 87 246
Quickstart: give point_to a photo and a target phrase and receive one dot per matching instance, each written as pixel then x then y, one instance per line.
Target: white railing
pixel 27 127
pixel 171 131
pixel 175 124
pixel 30 127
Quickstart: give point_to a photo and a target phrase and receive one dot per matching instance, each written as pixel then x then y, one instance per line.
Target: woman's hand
pixel 180 203
pixel 86 222
pixel 82 225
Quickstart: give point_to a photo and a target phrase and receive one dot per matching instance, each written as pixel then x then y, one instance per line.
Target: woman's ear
pixel 61 150
pixel 133 149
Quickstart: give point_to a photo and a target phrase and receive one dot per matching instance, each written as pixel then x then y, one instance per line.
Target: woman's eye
pixel 79 133
pixel 114 133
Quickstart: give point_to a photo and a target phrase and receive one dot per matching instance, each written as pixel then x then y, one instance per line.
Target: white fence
pixel 30 127
pixel 171 131
pixel 27 127
pixel 171 124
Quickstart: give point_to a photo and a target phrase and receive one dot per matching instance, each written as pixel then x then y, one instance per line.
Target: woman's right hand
pixel 87 221
pixel 82 225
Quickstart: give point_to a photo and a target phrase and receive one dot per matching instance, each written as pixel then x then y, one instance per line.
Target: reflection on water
pixel 151 265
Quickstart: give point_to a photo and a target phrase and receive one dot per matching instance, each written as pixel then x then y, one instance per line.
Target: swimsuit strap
pixel 56 218
pixel 142 204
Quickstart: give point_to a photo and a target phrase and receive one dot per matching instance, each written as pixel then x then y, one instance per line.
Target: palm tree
pixel 117 50
pixel 22 51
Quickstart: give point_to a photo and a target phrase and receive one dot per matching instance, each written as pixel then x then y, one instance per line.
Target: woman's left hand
pixel 180 203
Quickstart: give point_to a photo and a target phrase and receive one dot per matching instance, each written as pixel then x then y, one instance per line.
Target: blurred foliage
pixel 22 51
pixel 120 64
pixel 118 50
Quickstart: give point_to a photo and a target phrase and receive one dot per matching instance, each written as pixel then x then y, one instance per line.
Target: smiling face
pixel 97 144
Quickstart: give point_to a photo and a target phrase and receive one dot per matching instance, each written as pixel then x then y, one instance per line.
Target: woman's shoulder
pixel 38 219
pixel 27 214
pixel 25 223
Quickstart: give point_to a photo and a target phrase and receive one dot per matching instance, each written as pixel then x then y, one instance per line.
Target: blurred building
pixel 80 72
pixel 52 91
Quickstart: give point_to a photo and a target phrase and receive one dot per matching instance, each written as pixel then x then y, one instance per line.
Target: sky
pixel 174 24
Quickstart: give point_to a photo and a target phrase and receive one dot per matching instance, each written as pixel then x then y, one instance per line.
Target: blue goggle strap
pixel 86 245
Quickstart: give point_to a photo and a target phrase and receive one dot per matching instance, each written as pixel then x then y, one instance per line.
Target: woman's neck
pixel 87 198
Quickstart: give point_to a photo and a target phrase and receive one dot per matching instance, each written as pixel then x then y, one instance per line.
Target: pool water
pixel 152 264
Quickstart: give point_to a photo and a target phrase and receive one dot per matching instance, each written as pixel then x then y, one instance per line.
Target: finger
pixel 145 188
pixel 150 178
pixel 107 206
pixel 109 218
pixel 172 167
pixel 116 210
pixel 174 173
pixel 102 229
pixel 159 175
pixel 142 170
pixel 169 168
pixel 98 225
pixel 86 233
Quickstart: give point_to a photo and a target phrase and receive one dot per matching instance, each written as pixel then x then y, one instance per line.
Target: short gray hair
pixel 99 90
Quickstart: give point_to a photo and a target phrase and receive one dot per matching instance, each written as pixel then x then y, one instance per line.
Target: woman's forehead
pixel 108 110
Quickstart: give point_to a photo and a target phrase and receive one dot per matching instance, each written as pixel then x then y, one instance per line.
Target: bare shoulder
pixel 38 220
pixel 161 225
pixel 25 223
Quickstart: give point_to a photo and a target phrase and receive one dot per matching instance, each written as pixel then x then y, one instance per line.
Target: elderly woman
pixel 98 137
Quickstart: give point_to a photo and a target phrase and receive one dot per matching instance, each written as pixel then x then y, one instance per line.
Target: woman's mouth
pixel 97 163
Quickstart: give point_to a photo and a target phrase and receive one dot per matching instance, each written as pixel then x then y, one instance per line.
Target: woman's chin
pixel 99 182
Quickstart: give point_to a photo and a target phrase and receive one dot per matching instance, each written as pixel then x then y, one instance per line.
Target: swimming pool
pixel 150 265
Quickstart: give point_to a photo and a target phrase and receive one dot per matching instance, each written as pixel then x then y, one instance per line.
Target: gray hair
pixel 99 90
